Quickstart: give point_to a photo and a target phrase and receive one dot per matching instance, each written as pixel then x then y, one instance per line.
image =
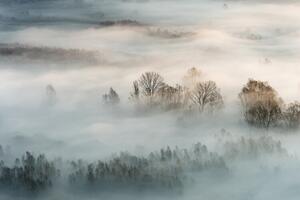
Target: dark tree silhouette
pixel 161 170
pixel 111 98
pixel 30 174
pixel 135 94
pixel 164 170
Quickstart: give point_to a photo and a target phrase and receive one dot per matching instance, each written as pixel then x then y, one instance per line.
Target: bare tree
pixel 152 91
pixel 150 83
pixel 261 105
pixel 206 95
pixel 111 98
pixel 146 89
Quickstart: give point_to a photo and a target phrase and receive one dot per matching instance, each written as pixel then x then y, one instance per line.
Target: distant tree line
pixel 247 148
pixel 165 170
pixel 67 56
pixel 261 105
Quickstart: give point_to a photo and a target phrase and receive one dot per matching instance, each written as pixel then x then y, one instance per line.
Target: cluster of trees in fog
pixel 262 107
pixel 151 92
pixel 160 170
pixel 29 173
pixel 169 34
pixel 253 148
pixel 165 170
pixel 74 56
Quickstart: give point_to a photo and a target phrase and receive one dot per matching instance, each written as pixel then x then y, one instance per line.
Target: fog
pixel 81 48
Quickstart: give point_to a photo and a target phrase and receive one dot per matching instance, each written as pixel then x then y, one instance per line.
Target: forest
pixel 166 170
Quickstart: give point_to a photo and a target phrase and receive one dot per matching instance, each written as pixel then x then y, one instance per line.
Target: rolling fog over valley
pixel 149 99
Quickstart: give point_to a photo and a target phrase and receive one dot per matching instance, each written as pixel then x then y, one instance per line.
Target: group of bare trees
pixel 262 107
pixel 150 90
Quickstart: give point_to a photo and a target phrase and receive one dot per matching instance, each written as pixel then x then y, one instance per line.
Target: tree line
pixel 163 170
pixel 29 173
pixel 261 105
pixel 169 169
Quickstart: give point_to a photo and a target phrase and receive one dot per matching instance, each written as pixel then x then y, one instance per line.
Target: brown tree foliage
pixel 261 105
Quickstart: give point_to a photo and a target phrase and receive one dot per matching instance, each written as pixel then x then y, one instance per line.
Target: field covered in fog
pixel 149 99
